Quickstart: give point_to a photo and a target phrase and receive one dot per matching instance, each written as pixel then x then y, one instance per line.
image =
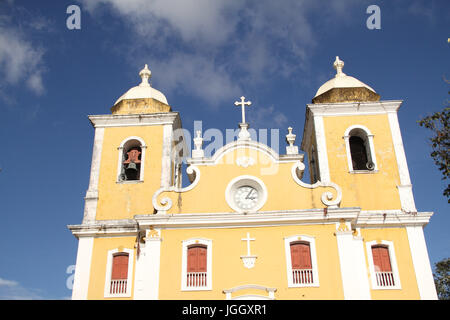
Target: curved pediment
pixel 257 147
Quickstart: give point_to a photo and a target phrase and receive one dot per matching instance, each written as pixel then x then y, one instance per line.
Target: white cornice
pixel 358 219
pixel 106 228
pixel 266 218
pixel 354 108
pixel 127 120
pixel 392 219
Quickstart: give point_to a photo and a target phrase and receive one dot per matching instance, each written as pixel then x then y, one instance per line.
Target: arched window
pixel 360 150
pixel 131 160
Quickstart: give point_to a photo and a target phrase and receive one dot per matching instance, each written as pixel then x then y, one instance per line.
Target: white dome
pixel 143 90
pixel 341 80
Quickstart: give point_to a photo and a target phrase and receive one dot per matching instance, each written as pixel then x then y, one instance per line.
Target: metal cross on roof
pixel 243 104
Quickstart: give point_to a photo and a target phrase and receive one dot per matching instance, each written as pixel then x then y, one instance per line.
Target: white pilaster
pixel 91 199
pixel 405 187
pixel 166 171
pixel 147 267
pixel 321 149
pixel 82 268
pixel 421 262
pixel 353 266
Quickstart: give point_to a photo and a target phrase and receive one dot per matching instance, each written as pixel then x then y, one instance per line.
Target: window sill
pixel 119 295
pixel 130 182
pixel 197 289
pixel 308 285
pixel 363 171
pixel 387 288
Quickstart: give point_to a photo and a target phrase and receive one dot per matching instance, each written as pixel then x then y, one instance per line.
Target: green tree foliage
pixel 442 279
pixel 438 123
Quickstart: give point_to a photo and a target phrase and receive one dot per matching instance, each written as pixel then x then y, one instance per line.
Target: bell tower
pixel 133 156
pixel 353 139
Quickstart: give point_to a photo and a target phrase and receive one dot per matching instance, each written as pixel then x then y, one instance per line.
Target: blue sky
pixel 203 55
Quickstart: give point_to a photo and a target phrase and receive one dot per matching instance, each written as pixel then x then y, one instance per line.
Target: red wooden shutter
pixel 120 266
pixel 196 259
pixel 300 255
pixel 381 259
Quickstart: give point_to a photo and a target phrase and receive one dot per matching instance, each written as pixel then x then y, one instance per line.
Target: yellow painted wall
pixel 124 200
pixel 97 276
pixel 270 267
pixel 209 194
pixel 370 191
pixel 399 237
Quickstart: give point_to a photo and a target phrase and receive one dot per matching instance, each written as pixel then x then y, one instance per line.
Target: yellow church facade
pixel 247 226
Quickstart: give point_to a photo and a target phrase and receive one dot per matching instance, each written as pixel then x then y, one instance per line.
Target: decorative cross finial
pixel 339 65
pixel 145 75
pixel 243 104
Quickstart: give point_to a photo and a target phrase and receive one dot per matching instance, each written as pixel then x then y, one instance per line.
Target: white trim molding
pixel 82 268
pixel 128 120
pixel 368 141
pixel 352 262
pixel 405 187
pixel 421 262
pixel 393 261
pixel 270 293
pixel 313 254
pixel 91 199
pixel 322 154
pixel 109 265
pixel 327 197
pixel 185 245
pixel 146 284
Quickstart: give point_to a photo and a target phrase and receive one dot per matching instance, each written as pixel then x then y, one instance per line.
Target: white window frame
pixel 143 147
pixel 393 260
pixel 109 265
pixel 370 146
pixel 185 246
pixel 313 253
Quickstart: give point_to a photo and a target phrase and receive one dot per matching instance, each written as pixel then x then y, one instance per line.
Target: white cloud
pixel 12 290
pixel 21 61
pixel 198 75
pixel 215 48
pixel 8 283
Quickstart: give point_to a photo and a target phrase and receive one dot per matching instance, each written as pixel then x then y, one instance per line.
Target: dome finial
pixel 338 65
pixel 145 74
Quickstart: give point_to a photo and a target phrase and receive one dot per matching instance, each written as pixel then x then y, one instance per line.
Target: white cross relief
pixel 248 260
pixel 243 104
pixel 248 239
